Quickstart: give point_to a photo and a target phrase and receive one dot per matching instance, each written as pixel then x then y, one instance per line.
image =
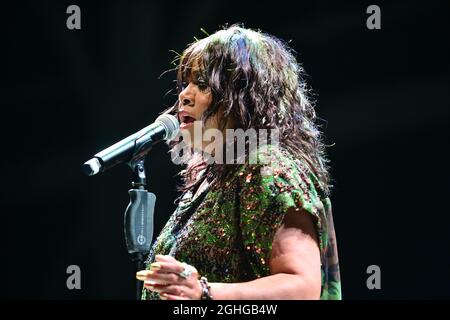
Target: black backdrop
pixel 67 94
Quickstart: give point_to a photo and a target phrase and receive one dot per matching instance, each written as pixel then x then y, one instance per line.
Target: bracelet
pixel 206 293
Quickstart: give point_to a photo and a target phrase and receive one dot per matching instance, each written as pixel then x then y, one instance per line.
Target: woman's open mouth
pixel 186 121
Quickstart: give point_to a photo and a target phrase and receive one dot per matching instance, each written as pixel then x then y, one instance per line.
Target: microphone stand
pixel 138 218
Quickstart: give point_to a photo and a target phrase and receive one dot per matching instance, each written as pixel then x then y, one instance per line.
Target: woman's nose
pixel 186 96
pixel 186 102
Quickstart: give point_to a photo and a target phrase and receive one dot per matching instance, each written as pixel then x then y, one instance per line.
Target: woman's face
pixel 194 99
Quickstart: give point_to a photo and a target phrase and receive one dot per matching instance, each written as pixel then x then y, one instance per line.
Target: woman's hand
pixel 164 277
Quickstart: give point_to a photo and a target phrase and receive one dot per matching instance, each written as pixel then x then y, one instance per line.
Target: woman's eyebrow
pixel 192 73
pixel 197 74
pixel 192 76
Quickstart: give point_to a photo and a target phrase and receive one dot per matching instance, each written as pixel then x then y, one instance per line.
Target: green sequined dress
pixel 227 233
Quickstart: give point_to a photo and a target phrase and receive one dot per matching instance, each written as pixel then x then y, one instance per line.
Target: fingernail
pixel 143 274
pixel 155 266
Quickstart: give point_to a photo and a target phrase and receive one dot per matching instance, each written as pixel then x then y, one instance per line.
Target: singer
pixel 247 230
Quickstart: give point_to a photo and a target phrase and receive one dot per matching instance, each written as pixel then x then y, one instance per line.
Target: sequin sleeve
pixel 267 191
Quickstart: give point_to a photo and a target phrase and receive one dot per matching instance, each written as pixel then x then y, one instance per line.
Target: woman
pixel 247 230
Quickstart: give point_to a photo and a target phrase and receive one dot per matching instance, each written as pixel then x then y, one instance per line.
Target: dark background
pixel 67 94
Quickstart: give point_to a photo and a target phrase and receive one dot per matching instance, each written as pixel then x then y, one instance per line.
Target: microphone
pixel 165 127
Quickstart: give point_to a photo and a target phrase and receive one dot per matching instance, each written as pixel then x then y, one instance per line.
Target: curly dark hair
pixel 255 79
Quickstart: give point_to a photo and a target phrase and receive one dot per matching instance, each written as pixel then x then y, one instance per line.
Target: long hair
pixel 255 79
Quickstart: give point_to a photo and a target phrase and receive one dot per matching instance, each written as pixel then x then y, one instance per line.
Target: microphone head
pixel 171 125
pixel 92 167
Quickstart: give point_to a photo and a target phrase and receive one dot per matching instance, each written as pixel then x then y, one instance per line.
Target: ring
pixel 186 273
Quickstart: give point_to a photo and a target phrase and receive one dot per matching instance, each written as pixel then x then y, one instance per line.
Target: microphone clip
pixel 139 177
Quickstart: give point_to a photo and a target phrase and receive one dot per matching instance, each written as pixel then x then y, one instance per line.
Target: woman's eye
pixel 202 85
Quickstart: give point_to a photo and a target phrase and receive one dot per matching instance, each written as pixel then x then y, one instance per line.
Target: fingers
pixel 173 289
pixel 143 275
pixel 159 277
pixel 152 286
pixel 164 258
pixel 166 296
pixel 167 266
pixel 170 278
